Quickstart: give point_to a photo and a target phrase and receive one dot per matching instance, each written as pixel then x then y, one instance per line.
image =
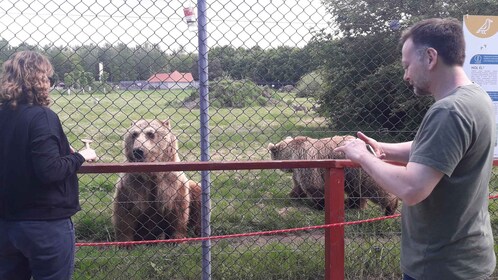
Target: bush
pixel 226 92
pixel 310 85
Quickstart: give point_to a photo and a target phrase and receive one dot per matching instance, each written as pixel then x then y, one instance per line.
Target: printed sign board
pixel 481 55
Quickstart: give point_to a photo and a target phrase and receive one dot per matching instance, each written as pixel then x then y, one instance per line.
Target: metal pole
pixel 334 213
pixel 204 117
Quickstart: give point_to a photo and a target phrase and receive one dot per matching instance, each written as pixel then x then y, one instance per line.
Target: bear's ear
pixel 271 146
pixel 288 138
pixel 166 124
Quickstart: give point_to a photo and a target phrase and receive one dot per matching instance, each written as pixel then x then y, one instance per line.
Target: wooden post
pixel 334 213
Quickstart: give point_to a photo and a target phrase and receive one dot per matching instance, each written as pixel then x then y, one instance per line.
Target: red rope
pixel 217 237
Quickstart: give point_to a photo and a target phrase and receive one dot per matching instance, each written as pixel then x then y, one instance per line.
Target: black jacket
pixel 37 170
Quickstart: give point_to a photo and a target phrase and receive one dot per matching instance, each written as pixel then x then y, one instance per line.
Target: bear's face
pixel 150 141
pixel 283 150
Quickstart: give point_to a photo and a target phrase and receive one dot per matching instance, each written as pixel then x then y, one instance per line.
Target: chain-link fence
pixel 312 68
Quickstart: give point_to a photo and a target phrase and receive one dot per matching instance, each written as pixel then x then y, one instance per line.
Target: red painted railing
pixel 334 193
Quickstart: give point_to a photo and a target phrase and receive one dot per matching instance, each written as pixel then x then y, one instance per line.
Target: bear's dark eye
pixel 150 135
pixel 134 135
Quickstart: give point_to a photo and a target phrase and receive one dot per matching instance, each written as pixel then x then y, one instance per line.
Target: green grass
pixel 231 260
pixel 241 201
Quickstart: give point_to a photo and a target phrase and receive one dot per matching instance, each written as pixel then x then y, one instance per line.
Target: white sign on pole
pixel 101 71
pixel 481 55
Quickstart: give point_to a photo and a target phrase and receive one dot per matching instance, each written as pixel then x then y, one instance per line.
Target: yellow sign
pixel 481 26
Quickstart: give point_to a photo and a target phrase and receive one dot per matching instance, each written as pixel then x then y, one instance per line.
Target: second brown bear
pixel 309 182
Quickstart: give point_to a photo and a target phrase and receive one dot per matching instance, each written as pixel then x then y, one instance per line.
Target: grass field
pixel 242 201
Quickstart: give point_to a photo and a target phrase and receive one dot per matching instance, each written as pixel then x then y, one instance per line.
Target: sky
pixel 230 22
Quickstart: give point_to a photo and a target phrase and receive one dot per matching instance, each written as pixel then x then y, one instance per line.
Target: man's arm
pixel 399 152
pixel 391 151
pixel 411 183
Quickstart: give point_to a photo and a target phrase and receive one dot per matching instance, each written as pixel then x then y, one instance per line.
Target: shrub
pixel 226 92
pixel 310 85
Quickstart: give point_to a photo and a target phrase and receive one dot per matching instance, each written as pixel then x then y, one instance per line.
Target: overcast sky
pixel 230 22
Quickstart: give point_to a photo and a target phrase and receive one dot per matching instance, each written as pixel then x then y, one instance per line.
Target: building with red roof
pixel 174 80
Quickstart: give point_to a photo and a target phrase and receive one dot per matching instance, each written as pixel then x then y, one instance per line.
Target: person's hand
pixel 354 149
pixel 89 154
pixel 379 152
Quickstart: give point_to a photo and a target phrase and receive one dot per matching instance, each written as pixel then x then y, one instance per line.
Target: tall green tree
pixel 280 66
pixel 6 50
pixel 64 60
pixel 89 55
pixel 148 59
pixel 180 61
pixel 361 63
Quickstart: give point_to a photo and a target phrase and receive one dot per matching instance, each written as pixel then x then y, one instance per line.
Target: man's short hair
pixel 444 35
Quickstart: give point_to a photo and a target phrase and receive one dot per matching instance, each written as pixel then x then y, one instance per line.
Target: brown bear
pixel 309 182
pixel 154 205
pixel 194 221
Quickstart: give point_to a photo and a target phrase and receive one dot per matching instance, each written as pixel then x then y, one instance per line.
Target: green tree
pixel 6 50
pixel 181 61
pixel 311 85
pixel 280 66
pixel 63 59
pixel 361 63
pixel 283 65
pixel 87 80
pixel 148 59
pixel 89 55
pixel 69 79
pixel 122 66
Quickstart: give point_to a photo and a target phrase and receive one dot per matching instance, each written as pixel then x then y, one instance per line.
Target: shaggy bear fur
pixel 154 205
pixel 194 221
pixel 309 182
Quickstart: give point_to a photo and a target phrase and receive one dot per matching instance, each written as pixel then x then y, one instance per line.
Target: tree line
pixel 79 65
pixel 358 65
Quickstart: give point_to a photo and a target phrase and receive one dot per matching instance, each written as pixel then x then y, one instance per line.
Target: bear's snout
pixel 138 155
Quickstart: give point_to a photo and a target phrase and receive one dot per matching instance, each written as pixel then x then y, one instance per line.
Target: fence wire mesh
pixel 311 68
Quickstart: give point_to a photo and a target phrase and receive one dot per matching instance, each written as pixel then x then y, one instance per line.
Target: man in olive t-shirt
pixel 448 234
pixel 446 230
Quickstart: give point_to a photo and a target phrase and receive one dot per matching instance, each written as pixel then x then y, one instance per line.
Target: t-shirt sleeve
pixel 442 140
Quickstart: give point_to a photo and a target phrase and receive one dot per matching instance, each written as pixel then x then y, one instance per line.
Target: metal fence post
pixel 334 213
pixel 204 127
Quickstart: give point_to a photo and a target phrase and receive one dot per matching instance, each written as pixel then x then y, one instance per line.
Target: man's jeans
pixel 42 249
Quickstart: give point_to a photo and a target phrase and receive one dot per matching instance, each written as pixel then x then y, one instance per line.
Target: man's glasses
pixel 52 81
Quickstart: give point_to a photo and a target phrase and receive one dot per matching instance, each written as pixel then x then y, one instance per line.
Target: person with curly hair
pixel 38 181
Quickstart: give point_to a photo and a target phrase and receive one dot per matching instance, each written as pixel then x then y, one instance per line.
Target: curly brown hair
pixel 25 80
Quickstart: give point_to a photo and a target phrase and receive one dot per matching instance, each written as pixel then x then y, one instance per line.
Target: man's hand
pixel 377 148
